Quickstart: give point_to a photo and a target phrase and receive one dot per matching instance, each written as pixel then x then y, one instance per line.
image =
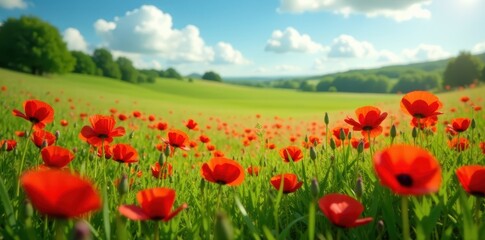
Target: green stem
pixel 157 231
pixel 22 161
pixel 405 218
pixel 478 202
pixel 60 235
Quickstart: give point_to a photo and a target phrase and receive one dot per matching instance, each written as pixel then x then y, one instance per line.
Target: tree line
pixel 29 44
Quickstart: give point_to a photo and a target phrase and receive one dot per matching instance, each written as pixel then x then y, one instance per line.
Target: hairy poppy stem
pixel 405 218
pixel 478 203
pixel 60 235
pixel 22 161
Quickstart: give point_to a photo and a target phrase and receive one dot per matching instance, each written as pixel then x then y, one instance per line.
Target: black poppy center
pixel 103 136
pixel 418 115
pixel 221 182
pixel 367 128
pixel 405 180
pixel 34 120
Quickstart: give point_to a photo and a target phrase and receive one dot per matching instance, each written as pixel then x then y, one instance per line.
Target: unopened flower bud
pixel 342 134
pixel 57 134
pixel 360 146
pixel 359 187
pixel 81 231
pixel 224 230
pixel 161 159
pixel 167 151
pixel 28 210
pixel 5 146
pixel 393 131
pixel 132 134
pixel 349 135
pixel 380 226
pixel 313 153
pixel 332 144
pixel 473 124
pixel 315 188
pixel 325 119
pixel 123 185
pixel 415 132
pixel 44 144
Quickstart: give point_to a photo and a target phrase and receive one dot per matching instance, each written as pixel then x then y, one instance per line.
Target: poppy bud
pixel 359 187
pixel 75 124
pixel 349 135
pixel 44 144
pixel 325 119
pixel 123 186
pixel 74 149
pixel 306 138
pixel 313 153
pixel 57 134
pixel 380 226
pixel 473 124
pixel 5 146
pixel 342 134
pixel 224 230
pixel 332 144
pixel 132 134
pixel 315 189
pixel 415 132
pixel 202 185
pixel 360 147
pixel 167 151
pixel 162 159
pixel 81 231
pixel 28 210
pixel 393 131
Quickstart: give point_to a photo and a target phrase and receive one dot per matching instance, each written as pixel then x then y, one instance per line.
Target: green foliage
pixel 462 70
pixel 482 75
pixel 151 75
pixel 172 73
pixel 104 61
pixel 361 83
pixel 128 72
pixel 324 84
pixel 287 84
pixel 84 63
pixel 212 76
pixel 32 45
pixel 417 81
pixel 306 86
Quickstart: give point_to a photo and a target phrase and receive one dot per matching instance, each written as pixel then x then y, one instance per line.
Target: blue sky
pixel 265 37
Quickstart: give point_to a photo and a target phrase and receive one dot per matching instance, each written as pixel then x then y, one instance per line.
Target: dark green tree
pixel 212 76
pixel 462 70
pixel 30 44
pixel 482 77
pixel 104 61
pixel 84 63
pixel 306 86
pixel 172 73
pixel 128 72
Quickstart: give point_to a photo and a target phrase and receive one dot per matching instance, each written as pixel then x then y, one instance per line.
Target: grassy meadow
pixel 242 124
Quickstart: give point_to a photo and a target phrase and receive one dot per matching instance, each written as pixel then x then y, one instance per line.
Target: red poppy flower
pixel 253 170
pixel 408 170
pixel 162 126
pixel 464 99
pixel 291 153
pixel 41 137
pixel 191 124
pixel 122 117
pixel 177 139
pixel 421 104
pixel 369 121
pixel 124 153
pixel 20 133
pixel 218 153
pixel 223 171
pixel 107 151
pixel 210 147
pixel 356 141
pixel 459 144
pixel 425 123
pixel 471 179
pixel 56 157
pixel 289 181
pixel 8 145
pixel 102 130
pixel 482 146
pixel 156 204
pixel 151 118
pixel 270 146
pixel 336 131
pixel 37 112
pixel 204 138
pixel 162 172
pixel 460 124
pixel 136 114
pixel 64 122
pixel 60 194
pixel 342 210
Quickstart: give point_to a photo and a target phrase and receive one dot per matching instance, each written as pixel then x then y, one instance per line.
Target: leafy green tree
pixel 32 45
pixel 306 86
pixel 482 78
pixel 104 61
pixel 212 76
pixel 324 85
pixel 151 74
pixel 172 73
pixel 84 63
pixel 462 70
pixel 128 72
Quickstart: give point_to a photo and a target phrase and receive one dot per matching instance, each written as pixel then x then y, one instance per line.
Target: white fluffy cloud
pixel 290 40
pixel 387 56
pixel 12 4
pixel 479 48
pixel 225 53
pixel 399 10
pixel 148 30
pixel 346 46
pixel 74 40
pixel 425 52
